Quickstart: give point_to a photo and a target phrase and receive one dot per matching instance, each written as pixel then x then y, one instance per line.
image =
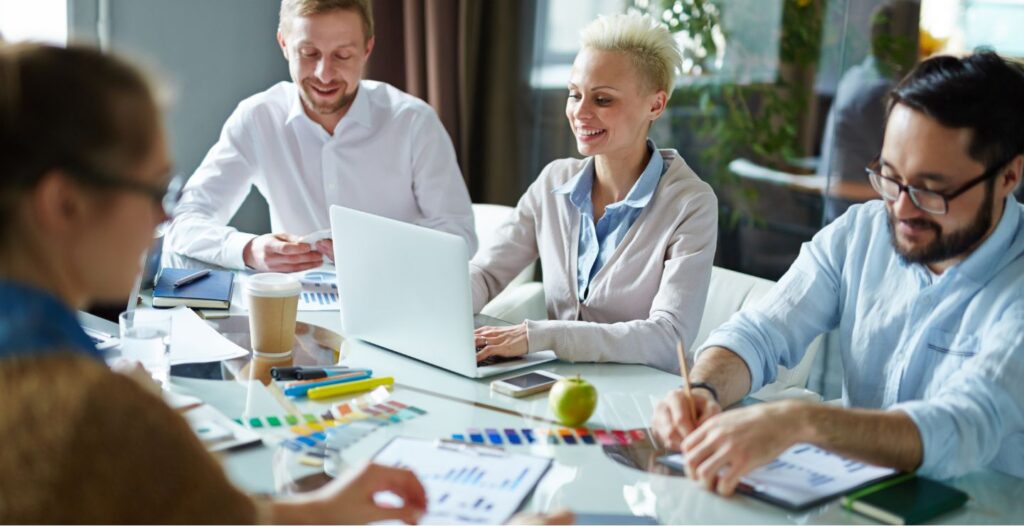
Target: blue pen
pixel 331 375
pixel 301 390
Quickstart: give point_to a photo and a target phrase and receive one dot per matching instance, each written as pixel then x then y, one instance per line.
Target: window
pixel 35 20
pixel 995 24
pixel 559 23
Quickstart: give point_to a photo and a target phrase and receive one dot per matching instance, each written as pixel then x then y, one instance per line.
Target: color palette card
pixel 339 426
pixel 562 436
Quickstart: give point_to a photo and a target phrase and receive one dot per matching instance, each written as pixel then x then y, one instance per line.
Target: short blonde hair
pixel 293 8
pixel 648 43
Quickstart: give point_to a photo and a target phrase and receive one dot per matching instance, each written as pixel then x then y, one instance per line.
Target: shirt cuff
pixel 938 452
pixel 541 336
pixel 233 248
pixel 744 349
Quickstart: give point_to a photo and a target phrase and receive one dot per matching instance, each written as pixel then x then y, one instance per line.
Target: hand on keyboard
pixel 501 342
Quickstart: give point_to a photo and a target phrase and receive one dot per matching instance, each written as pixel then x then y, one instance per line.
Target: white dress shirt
pixel 389 155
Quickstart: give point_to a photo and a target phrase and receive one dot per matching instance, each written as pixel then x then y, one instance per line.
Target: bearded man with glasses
pixel 924 288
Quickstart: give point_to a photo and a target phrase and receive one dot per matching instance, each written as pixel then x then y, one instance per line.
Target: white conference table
pixel 582 478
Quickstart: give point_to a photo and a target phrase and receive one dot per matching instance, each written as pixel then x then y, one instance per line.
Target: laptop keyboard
pixel 498 359
pixel 483 320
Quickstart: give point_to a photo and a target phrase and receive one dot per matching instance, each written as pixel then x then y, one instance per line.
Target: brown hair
pixel 74 109
pixel 293 8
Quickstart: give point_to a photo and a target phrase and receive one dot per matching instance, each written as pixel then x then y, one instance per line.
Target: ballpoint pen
pixel 306 372
pixel 191 277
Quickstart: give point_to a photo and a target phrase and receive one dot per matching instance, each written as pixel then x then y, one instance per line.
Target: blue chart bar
pixel 520 478
pixel 478 503
pixel 818 479
pixel 479 476
pixel 450 476
pixel 852 466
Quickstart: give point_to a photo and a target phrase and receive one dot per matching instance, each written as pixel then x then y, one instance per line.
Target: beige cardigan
pixel 648 296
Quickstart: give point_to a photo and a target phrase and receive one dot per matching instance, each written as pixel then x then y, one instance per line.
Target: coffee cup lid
pixel 272 284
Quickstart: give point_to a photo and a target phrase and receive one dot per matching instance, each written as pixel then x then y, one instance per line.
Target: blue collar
pixel 980 264
pixel 580 186
pixel 33 321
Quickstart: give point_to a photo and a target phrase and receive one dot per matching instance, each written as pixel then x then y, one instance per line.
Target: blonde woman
pixel 626 236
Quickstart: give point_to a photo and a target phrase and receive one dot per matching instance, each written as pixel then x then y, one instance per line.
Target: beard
pixel 947 246
pixel 317 105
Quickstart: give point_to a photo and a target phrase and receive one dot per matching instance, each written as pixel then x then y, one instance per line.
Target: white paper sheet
pixel 195 341
pixel 465 487
pixel 319 289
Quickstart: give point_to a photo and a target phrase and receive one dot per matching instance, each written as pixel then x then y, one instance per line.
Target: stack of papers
pixel 195 341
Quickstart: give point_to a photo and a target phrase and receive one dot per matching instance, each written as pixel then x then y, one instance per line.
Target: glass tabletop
pixel 314 346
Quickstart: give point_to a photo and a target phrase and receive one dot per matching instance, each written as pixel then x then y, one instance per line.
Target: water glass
pixel 146 338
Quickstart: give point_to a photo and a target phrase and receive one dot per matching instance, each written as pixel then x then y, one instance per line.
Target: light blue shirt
pixel 947 350
pixel 598 241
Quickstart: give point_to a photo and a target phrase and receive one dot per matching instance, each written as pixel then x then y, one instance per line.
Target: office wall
pixel 213 53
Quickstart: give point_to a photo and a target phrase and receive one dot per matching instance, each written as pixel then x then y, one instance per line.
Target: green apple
pixel 572 400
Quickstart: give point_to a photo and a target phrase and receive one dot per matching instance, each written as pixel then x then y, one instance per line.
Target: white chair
pixel 731 291
pixel 523 298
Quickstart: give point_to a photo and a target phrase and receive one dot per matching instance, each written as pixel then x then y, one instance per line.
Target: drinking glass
pixel 146 338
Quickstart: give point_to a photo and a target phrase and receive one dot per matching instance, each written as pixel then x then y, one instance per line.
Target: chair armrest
pixel 518 303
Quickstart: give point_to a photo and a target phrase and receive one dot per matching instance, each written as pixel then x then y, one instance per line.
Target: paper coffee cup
pixel 273 303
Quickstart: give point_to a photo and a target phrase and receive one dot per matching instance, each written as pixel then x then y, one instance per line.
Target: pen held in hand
pixel 686 381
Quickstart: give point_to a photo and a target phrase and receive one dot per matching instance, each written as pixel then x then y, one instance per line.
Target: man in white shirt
pixel 325 138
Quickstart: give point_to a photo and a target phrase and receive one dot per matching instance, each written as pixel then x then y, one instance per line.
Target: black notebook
pixel 213 291
pixel 908 499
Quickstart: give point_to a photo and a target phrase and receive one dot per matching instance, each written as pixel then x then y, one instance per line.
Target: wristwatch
pixel 702 385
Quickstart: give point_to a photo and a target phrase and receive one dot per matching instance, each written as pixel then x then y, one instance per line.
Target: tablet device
pixel 801 477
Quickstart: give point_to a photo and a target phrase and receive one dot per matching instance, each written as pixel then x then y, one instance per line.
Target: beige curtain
pixel 469 59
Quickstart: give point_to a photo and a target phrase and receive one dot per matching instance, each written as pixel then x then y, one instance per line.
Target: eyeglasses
pixel 165 197
pixel 930 201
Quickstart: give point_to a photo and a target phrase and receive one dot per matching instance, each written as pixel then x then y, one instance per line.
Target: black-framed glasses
pixel 928 200
pixel 165 196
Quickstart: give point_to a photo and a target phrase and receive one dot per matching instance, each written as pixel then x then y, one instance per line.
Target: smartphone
pixel 525 384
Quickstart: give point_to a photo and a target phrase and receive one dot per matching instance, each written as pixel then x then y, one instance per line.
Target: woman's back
pixel 85 445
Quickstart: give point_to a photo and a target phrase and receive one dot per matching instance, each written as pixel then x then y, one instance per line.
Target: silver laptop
pixel 406 288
